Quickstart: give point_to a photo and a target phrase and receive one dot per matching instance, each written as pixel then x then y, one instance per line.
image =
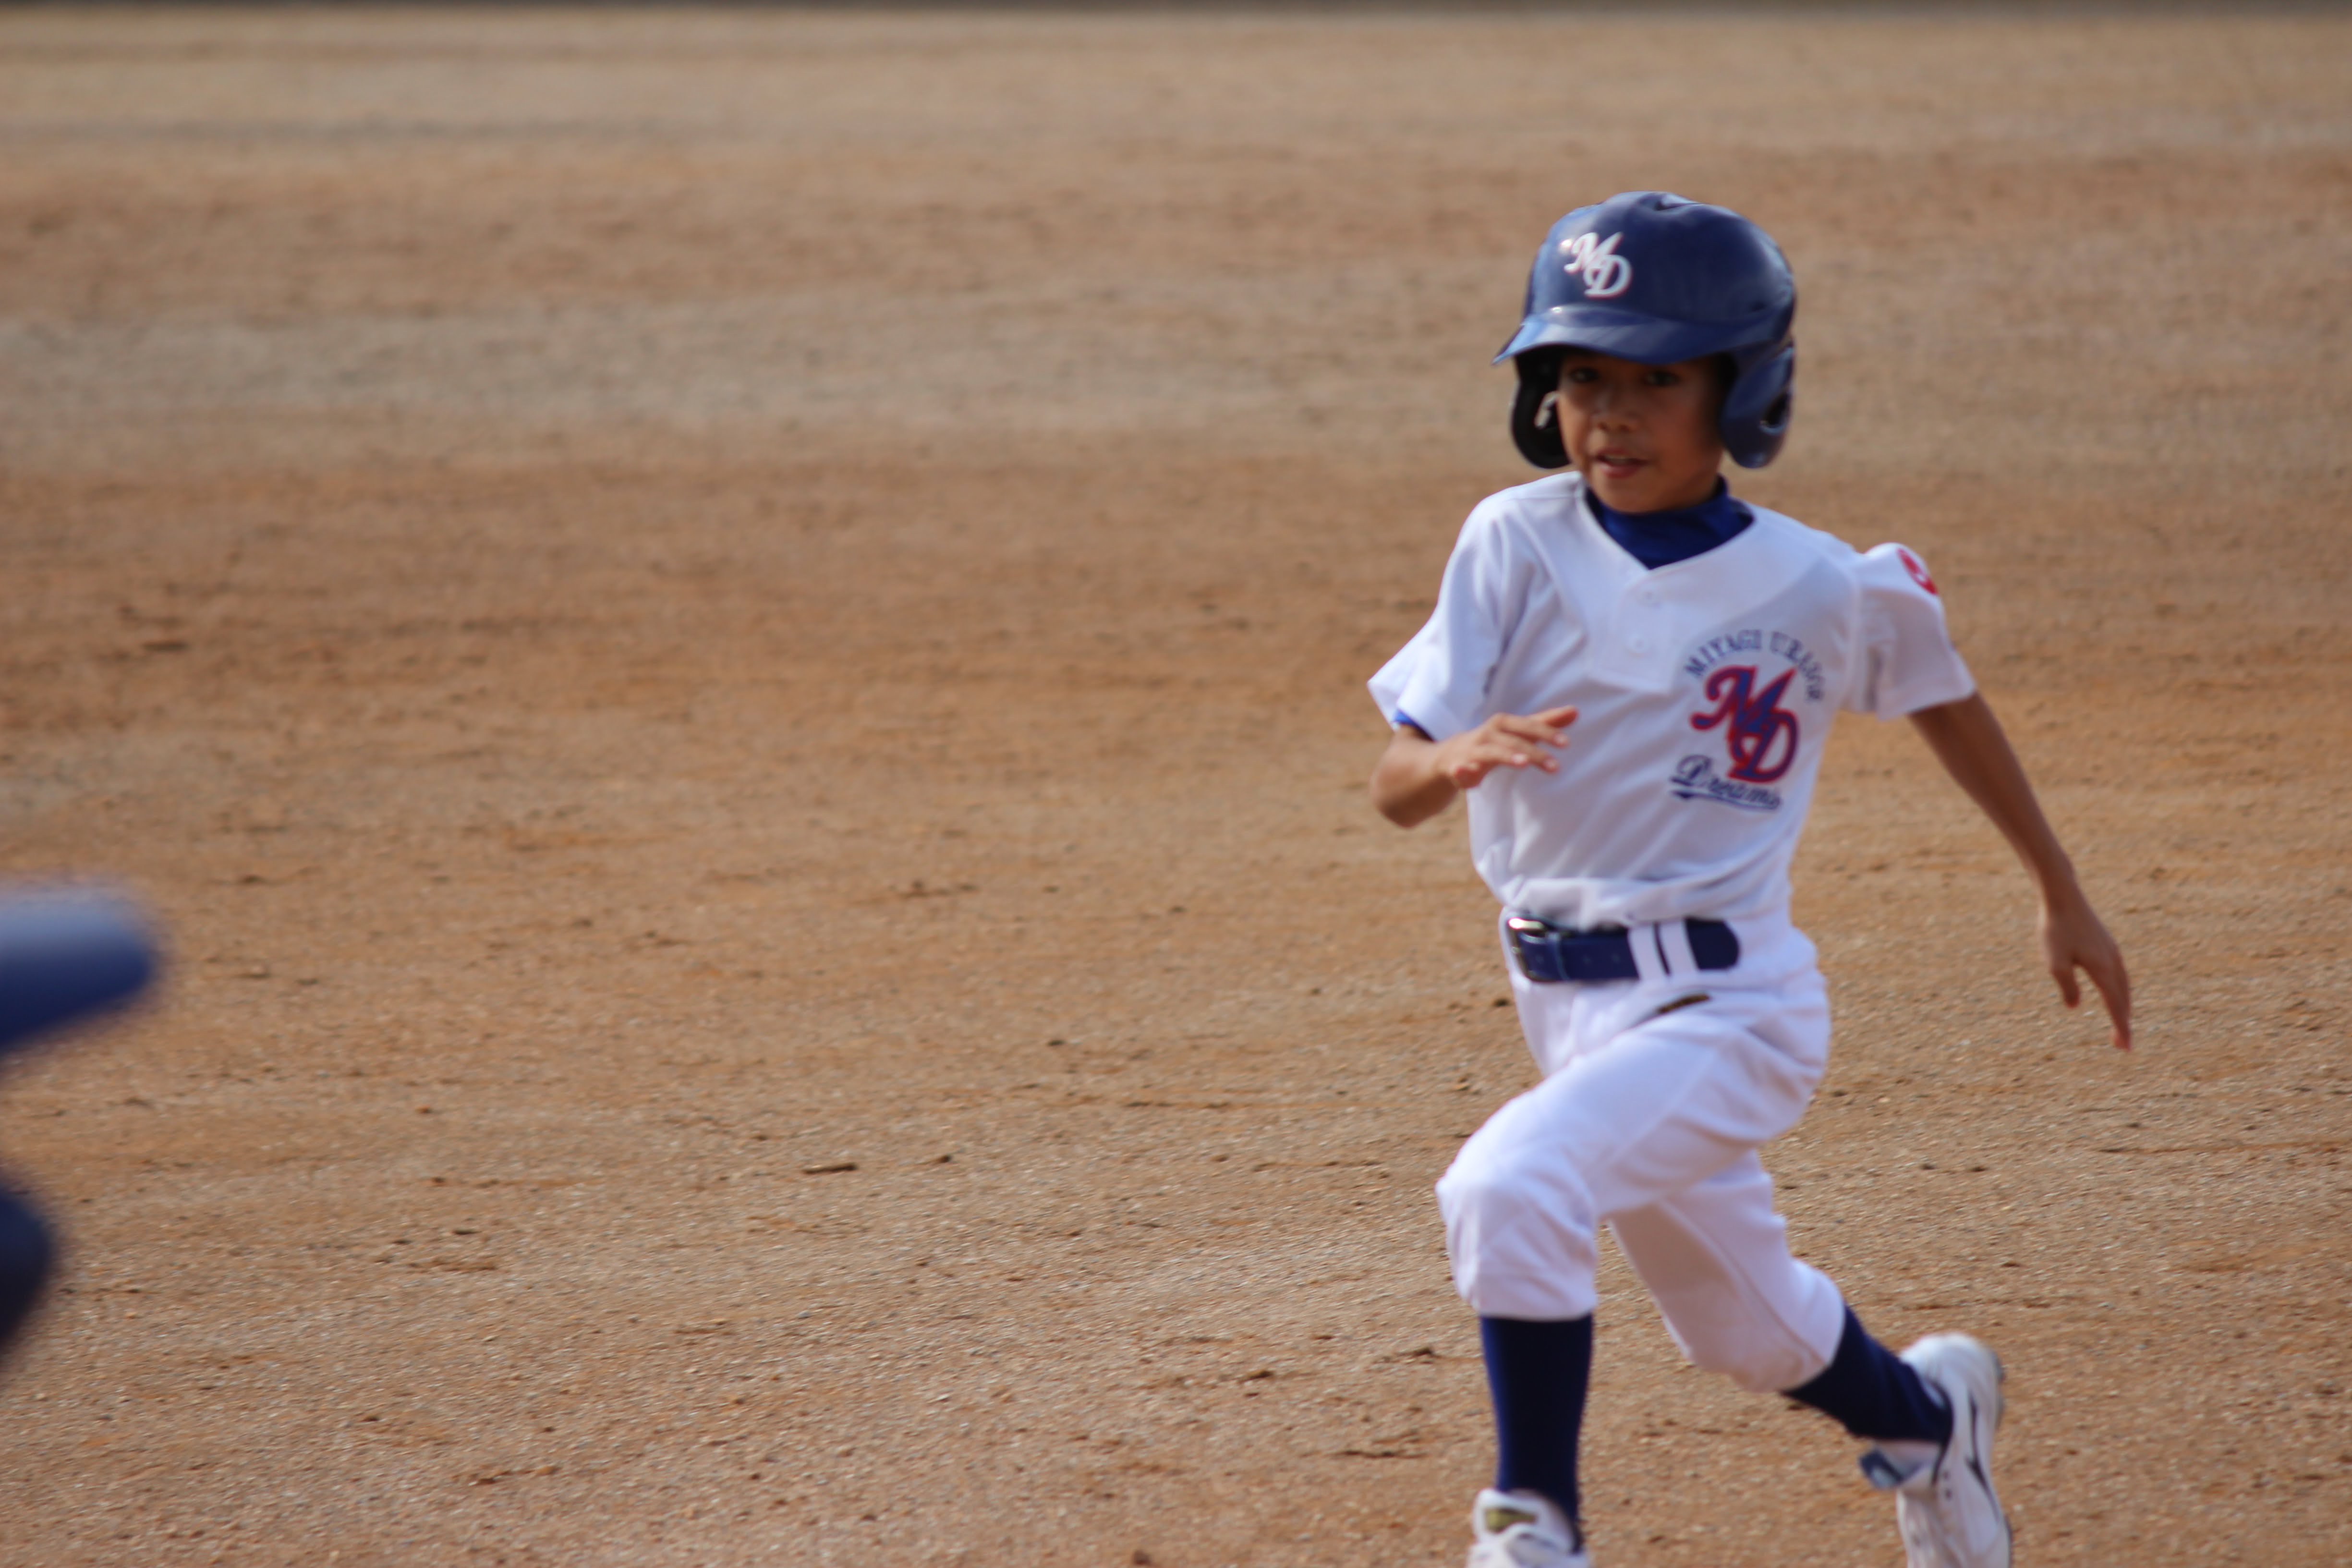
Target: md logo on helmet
pixel 1606 273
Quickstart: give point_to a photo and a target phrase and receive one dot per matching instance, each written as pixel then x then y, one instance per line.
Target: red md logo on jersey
pixel 1760 734
pixel 1918 570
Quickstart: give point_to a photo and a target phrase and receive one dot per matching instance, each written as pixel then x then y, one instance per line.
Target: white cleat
pixel 1523 1530
pixel 1948 1512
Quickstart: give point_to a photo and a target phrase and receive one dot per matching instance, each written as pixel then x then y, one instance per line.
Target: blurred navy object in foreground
pixel 64 957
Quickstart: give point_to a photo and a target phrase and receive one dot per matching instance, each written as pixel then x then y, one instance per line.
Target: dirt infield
pixel 732 643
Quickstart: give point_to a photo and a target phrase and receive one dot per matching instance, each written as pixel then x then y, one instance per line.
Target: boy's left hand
pixel 1967 740
pixel 2072 938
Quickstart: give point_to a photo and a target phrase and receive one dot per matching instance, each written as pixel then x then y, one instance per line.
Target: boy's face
pixel 1644 435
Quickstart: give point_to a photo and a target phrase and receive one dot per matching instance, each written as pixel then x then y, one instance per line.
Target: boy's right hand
pixel 1418 777
pixel 1505 741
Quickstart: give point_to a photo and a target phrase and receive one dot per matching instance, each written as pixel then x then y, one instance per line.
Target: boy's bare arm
pixel 1419 777
pixel 1967 740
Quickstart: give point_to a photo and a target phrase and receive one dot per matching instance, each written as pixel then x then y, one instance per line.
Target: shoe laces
pixel 1525 1536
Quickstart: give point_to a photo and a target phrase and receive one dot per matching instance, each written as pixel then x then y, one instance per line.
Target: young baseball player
pixel 1632 674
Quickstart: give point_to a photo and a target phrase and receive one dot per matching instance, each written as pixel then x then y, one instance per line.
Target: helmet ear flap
pixel 1535 421
pixel 1758 407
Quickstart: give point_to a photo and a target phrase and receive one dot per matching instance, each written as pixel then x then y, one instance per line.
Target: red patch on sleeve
pixel 1918 570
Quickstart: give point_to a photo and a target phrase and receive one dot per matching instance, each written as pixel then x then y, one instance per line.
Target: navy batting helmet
pixel 1658 278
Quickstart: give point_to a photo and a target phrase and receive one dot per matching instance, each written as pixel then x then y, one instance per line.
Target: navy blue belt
pixel 1549 953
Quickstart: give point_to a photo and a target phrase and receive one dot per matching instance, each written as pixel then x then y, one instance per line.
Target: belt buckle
pixel 1535 944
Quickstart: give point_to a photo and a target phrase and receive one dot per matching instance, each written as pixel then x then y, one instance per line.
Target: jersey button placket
pixel 1646 599
pixel 1642 620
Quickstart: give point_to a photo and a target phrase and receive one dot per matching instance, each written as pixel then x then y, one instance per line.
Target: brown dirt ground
pixel 670 605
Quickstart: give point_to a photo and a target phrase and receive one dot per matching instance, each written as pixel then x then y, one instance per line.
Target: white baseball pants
pixel 1648 1120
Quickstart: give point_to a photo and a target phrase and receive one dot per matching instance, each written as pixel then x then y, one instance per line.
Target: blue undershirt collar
pixel 1658 539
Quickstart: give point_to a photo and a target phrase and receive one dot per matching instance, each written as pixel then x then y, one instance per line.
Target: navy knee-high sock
pixel 1537 1374
pixel 1874 1394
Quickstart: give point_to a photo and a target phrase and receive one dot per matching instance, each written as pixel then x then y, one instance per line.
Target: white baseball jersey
pixel 1705 691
